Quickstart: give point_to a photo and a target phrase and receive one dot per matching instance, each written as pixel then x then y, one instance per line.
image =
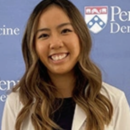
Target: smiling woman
pixel 61 87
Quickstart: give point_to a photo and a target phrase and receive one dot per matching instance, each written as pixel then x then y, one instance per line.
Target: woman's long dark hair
pixel 36 90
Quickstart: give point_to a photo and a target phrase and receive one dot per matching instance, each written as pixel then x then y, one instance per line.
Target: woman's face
pixel 56 42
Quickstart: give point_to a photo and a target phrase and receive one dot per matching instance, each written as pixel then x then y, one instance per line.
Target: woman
pixel 61 87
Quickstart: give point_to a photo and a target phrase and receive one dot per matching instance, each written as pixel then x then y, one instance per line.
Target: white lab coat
pixel 120 120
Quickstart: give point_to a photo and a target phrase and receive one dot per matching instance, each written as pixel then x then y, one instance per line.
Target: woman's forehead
pixel 53 15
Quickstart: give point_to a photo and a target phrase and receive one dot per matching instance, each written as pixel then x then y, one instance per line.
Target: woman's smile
pixel 58 56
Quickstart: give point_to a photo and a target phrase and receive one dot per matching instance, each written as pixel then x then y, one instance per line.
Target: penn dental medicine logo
pixel 96 17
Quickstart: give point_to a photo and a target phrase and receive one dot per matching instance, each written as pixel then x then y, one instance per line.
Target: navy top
pixel 64 115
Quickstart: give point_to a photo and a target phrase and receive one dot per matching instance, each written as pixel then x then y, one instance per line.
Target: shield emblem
pixel 96 17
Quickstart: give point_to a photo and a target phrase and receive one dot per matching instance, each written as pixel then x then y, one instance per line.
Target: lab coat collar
pixel 79 118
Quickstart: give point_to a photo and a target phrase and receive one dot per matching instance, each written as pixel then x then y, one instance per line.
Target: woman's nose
pixel 55 43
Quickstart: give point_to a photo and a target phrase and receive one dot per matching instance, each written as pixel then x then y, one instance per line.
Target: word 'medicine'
pixel 9 31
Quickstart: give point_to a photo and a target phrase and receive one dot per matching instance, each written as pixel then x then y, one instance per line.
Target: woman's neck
pixel 64 83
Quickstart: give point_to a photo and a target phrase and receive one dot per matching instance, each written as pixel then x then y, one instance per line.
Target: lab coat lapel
pixel 79 118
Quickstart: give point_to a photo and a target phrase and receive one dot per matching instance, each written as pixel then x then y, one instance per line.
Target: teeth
pixel 58 57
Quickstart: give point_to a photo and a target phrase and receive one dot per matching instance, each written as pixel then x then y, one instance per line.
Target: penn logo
pixel 96 18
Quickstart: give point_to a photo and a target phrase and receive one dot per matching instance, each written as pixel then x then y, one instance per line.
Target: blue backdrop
pixel 109 23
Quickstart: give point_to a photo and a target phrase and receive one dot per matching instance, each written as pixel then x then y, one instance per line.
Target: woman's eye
pixel 66 31
pixel 43 36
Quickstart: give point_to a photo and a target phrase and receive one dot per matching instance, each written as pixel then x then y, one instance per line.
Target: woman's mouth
pixel 57 57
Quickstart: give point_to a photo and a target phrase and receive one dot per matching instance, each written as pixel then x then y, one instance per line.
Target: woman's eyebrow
pixel 63 24
pixel 42 29
pixel 47 29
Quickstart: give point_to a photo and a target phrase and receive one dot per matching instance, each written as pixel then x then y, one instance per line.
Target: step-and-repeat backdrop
pixel 109 24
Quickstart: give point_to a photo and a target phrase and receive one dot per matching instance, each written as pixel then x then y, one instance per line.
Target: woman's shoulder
pixel 121 109
pixel 115 95
pixel 110 90
pixel 11 110
pixel 13 101
pixel 13 96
